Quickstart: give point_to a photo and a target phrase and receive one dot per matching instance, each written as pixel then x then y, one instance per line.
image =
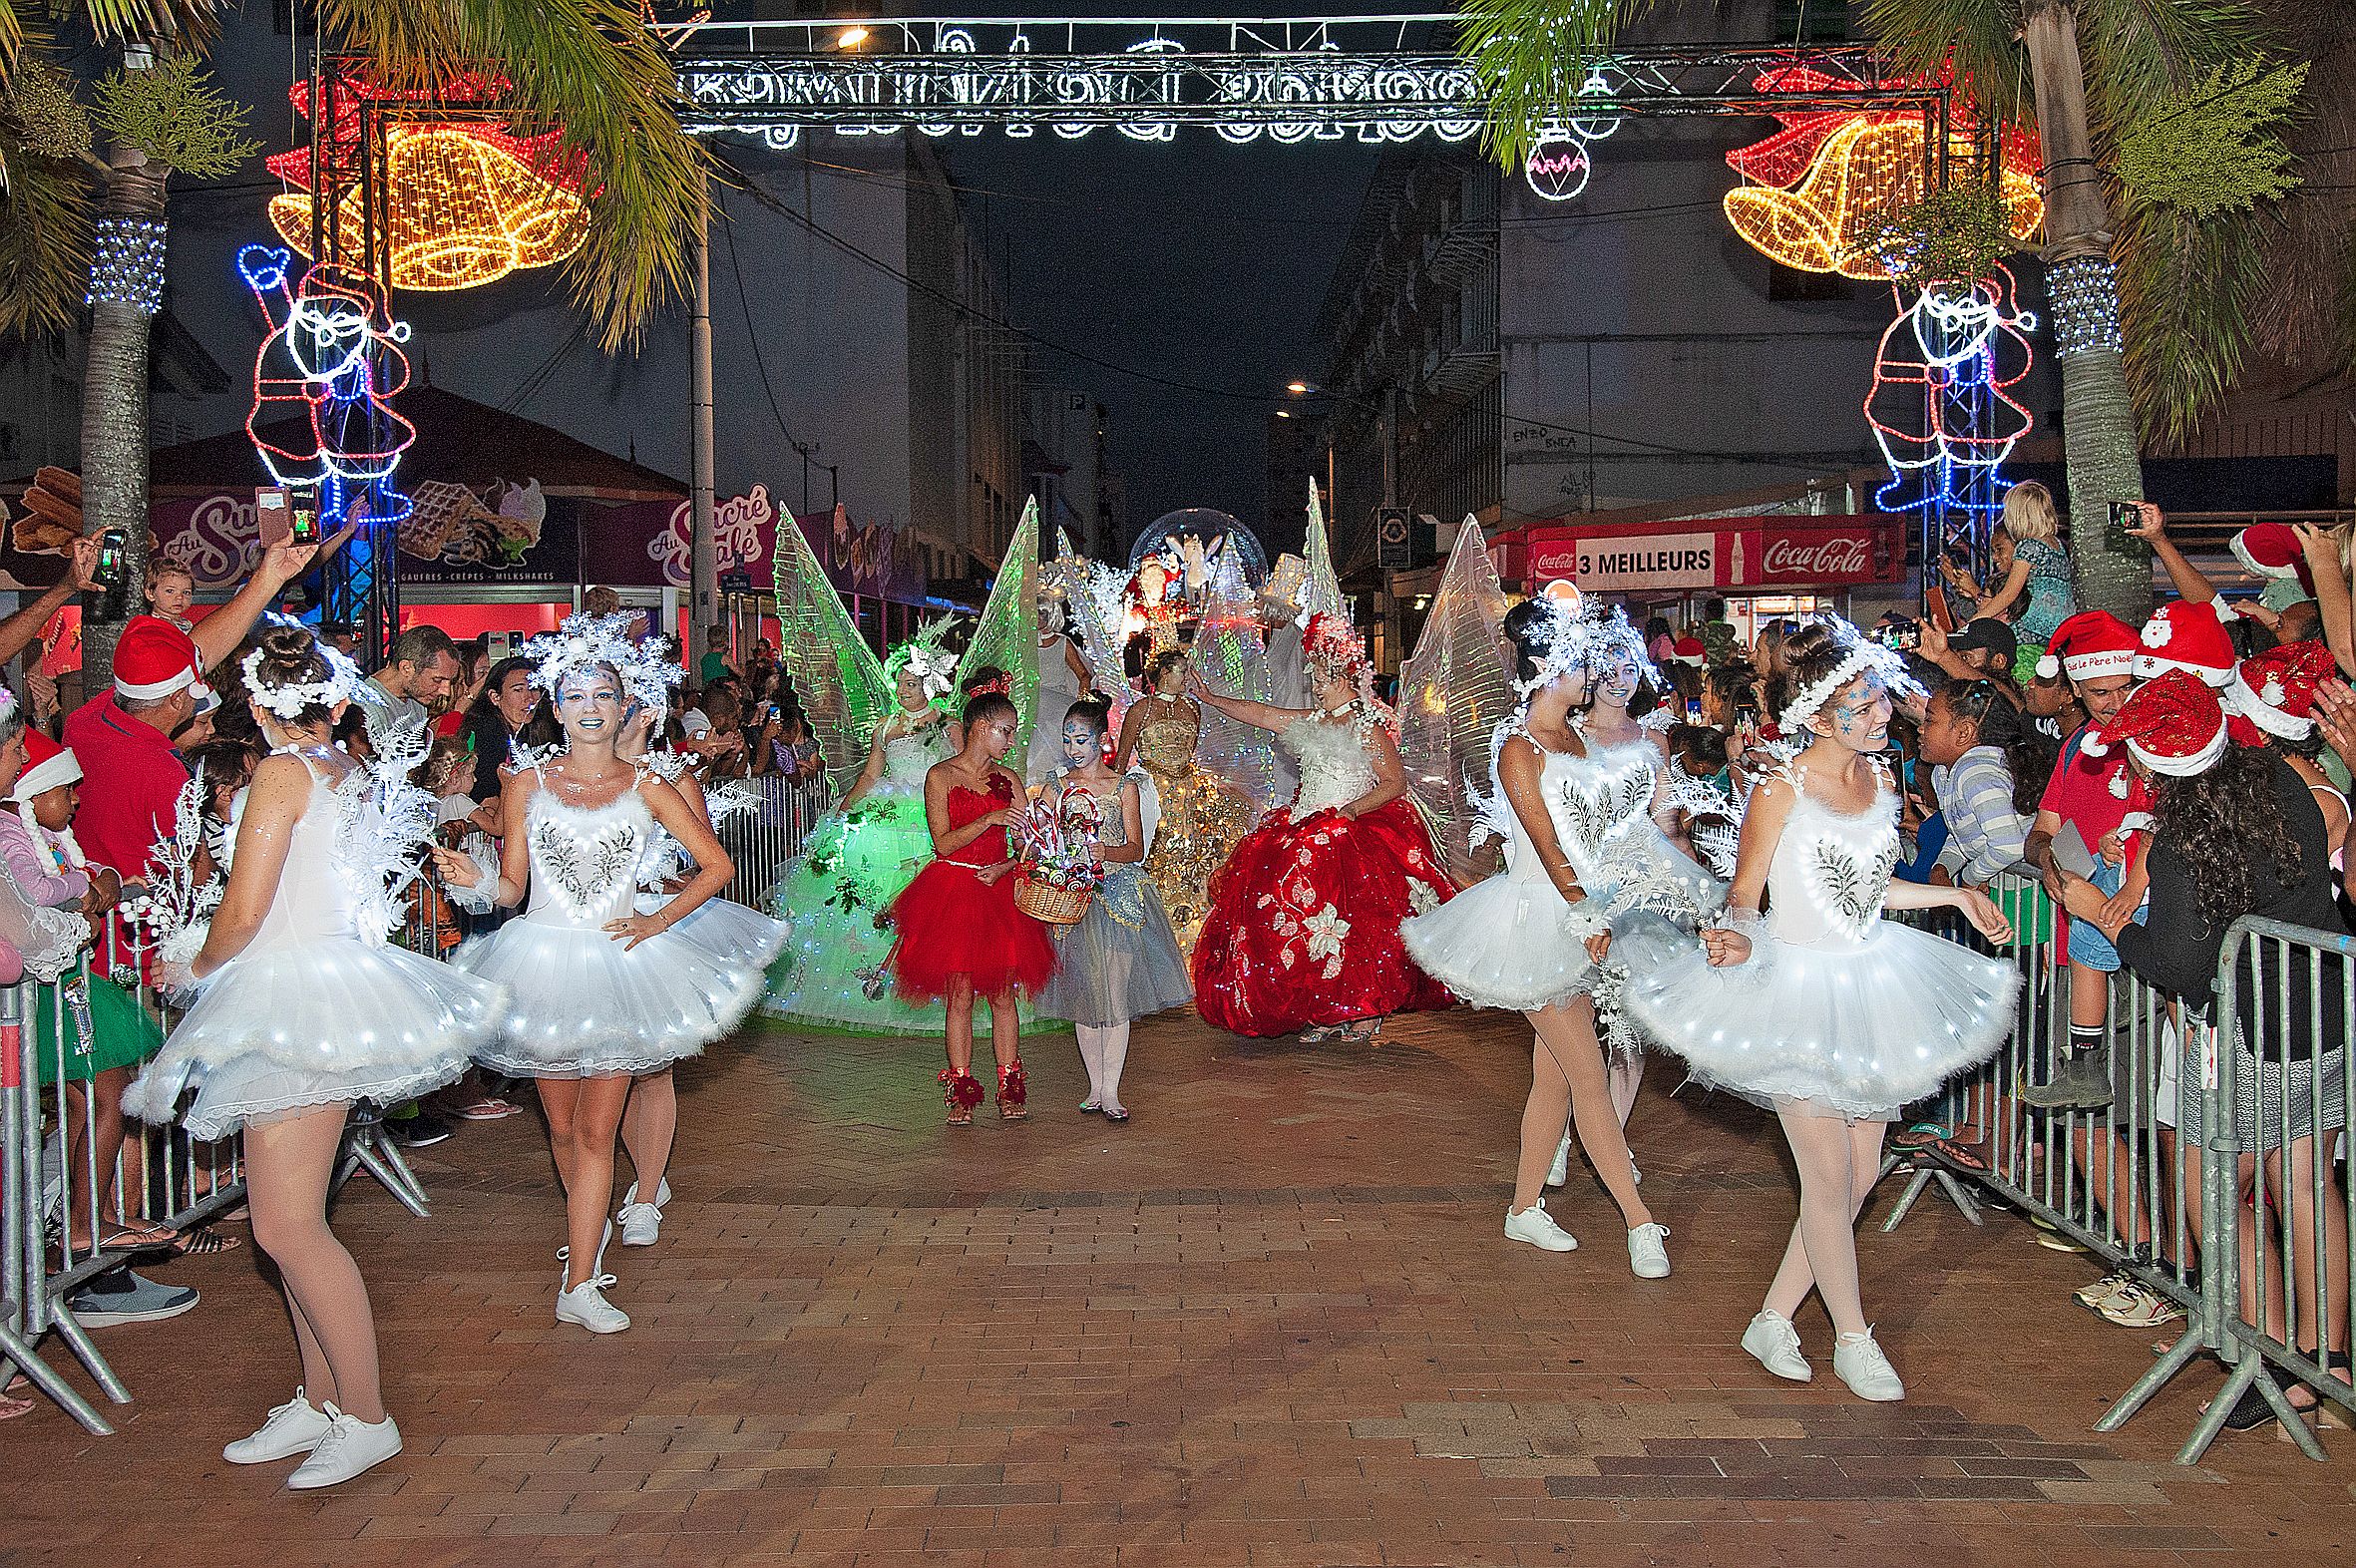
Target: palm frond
pixel 2188 292
pixel 2140 51
pixel 1530 58
pixel 2308 318
pixel 186 23
pixel 12 40
pixel 592 70
pixel 45 213
pixel 1979 39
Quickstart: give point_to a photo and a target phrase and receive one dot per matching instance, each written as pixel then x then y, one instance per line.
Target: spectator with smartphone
pixel 2035 578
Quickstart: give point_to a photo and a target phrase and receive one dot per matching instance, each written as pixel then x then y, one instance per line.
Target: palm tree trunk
pixel 2097 418
pixel 114 420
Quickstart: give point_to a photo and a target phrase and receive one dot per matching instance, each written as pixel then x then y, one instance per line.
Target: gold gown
pixel 1202 817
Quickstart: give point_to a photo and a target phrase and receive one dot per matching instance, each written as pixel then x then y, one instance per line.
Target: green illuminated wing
pixel 1008 634
pixel 837 678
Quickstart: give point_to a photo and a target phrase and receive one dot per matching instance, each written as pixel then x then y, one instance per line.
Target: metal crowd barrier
pixel 762 839
pixel 2124 1184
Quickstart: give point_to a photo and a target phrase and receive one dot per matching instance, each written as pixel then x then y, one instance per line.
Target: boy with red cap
pixel 2100 654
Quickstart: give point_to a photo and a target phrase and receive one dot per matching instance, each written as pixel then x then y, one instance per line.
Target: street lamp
pixel 851 37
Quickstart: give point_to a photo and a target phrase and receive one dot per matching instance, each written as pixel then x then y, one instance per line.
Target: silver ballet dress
pixel 317 1009
pixel 1837 1010
pixel 580 1005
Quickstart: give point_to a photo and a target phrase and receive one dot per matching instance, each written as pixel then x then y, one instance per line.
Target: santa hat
pixel 2173 724
pixel 2187 636
pixel 1689 651
pixel 47 765
pixel 154 658
pixel 2272 550
pixel 2090 645
pixel 2273 693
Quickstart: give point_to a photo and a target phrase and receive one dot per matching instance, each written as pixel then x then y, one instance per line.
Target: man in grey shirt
pixel 418 675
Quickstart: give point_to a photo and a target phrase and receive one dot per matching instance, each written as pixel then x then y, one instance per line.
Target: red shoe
pixel 964 1092
pixel 1014 1092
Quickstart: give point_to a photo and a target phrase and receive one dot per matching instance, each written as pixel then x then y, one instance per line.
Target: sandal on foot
pixel 1116 1114
pixel 1956 1156
pixel 1922 1135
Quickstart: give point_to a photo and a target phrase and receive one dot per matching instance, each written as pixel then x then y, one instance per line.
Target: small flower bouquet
pixel 1057 867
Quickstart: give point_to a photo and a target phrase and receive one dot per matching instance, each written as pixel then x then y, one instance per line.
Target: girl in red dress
pixel 960 935
pixel 1302 928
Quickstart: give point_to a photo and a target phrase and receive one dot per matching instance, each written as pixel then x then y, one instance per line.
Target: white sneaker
pixel 642 1224
pixel 1647 1253
pixel 1634 1174
pixel 1776 1345
pixel 1858 1361
pixel 1560 1171
pixel 349 1447
pixel 293 1428
pixel 585 1305
pixel 662 1193
pixel 1535 1225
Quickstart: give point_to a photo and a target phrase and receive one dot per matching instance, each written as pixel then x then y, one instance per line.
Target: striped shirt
pixel 1985 832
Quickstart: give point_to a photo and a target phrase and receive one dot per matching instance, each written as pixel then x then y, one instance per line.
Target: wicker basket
pixel 1049 904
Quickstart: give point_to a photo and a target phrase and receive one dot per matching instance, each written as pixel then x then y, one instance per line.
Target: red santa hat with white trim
pixel 2272 550
pixel 1689 651
pixel 46 766
pixel 2173 724
pixel 2090 645
pixel 154 658
pixel 2273 693
pixel 2188 635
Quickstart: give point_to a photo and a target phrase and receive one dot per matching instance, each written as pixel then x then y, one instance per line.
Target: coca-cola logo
pixel 1835 555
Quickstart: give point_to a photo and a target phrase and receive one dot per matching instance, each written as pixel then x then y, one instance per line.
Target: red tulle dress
pixel 952 923
pixel 1303 918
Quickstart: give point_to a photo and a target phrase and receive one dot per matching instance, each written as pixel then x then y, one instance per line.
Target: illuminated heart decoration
pixel 1558 166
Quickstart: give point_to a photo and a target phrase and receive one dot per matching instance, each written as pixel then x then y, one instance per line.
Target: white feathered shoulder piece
pixel 383 825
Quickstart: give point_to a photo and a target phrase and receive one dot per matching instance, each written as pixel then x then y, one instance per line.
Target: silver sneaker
pixel 1776 1345
pixel 293 1428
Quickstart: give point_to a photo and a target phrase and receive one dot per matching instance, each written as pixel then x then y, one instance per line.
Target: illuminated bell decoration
pixel 1828 180
pixel 466 210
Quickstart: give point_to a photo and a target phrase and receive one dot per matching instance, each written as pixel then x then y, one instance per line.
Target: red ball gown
pixel 1303 918
pixel 952 923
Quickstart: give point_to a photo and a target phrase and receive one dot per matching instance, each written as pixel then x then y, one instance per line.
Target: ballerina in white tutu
pixel 598 992
pixel 729 930
pixel 302 1010
pixel 1823 1010
pixel 1531 936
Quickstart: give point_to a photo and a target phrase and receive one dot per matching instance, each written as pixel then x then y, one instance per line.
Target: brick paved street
pixel 1271 1322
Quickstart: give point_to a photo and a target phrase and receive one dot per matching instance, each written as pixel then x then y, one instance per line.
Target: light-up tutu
pixel 1837 1008
pixel 580 1004
pixel 312 1013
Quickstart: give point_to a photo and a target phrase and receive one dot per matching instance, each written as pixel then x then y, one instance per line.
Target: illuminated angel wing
pixel 1008 634
pixel 1093 597
pixel 1452 694
pixel 837 678
pixel 1231 660
pixel 1320 590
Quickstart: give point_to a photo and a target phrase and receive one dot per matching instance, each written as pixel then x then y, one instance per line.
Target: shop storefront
pixel 1763 567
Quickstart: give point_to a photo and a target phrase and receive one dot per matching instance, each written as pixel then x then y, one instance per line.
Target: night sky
pixel 1194 260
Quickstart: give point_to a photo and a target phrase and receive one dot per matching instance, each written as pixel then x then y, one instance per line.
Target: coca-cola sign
pixel 1809 557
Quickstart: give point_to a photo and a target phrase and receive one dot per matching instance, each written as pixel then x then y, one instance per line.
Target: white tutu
pixel 579 1006
pixel 728 930
pixel 321 1023
pixel 1858 1031
pixel 1508 942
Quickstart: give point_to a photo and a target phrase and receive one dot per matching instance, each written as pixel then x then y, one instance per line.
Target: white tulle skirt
pixel 728 929
pixel 580 1006
pixel 322 1022
pixel 1506 943
pixel 1850 1032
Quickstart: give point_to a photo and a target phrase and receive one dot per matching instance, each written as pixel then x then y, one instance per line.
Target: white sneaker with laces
pixel 585 1305
pixel 349 1447
pixel 2136 1306
pixel 1776 1345
pixel 642 1224
pixel 1858 1361
pixel 1535 1225
pixel 1560 1171
pixel 2101 1291
pixel 293 1428
pixel 1648 1252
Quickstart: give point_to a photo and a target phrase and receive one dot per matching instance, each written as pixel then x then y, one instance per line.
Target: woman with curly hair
pixel 2238 833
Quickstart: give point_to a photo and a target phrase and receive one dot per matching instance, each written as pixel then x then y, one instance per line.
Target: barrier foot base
pixel 17 1355
pixel 370 1150
pixel 69 1328
pixel 2178 1354
pixel 2251 1372
pixel 1924 1175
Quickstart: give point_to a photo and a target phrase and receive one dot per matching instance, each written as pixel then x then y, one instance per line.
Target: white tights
pixel 288 1166
pixel 1104 1049
pixel 1838 1162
